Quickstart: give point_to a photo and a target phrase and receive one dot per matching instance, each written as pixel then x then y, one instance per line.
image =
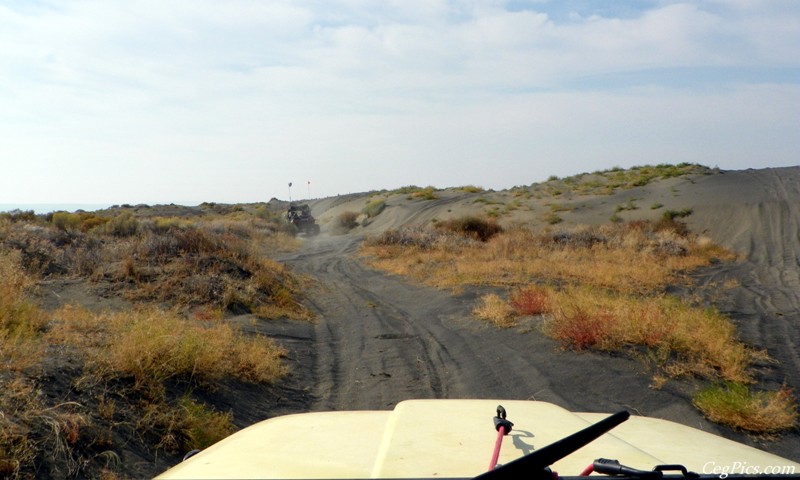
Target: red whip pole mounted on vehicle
pixel 503 427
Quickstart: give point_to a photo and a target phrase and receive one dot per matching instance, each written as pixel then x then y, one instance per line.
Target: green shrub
pixel 202 426
pixel 66 222
pixel 736 405
pixel 559 207
pixel 427 193
pixel 470 189
pixel 413 191
pixel 184 426
pixel 373 208
pixel 90 221
pixel 165 224
pixel 262 211
pixel 123 225
pixel 408 189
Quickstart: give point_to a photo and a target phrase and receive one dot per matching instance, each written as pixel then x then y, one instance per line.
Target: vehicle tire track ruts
pixel 380 339
pixel 780 307
pixel 766 303
pixel 365 346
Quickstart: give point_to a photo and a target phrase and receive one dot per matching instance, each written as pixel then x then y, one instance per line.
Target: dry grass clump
pixel 495 310
pixel 17 449
pixel 185 426
pixel 125 362
pixel 203 266
pixel 686 340
pixel 427 193
pixel 470 189
pixel 738 406
pixel 195 266
pixel 151 346
pixel 417 237
pixel 422 238
pixel 144 352
pixel 77 222
pixel 17 316
pixel 32 432
pixel 21 322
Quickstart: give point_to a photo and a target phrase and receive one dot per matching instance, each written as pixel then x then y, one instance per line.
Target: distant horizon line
pixel 45 207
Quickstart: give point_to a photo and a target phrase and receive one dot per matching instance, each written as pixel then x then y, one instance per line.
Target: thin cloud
pixel 104 93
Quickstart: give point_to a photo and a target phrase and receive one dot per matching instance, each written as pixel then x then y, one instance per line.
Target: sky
pixel 165 101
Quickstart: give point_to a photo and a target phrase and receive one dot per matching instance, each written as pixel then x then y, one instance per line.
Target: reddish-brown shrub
pixel 529 300
pixel 581 329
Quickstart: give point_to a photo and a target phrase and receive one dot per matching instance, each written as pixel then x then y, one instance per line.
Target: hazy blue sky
pixel 105 101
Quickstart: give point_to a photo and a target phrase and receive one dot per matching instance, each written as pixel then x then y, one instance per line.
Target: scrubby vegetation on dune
pixel 78 385
pixel 632 257
pixel 600 288
pixel 414 192
pixel 606 182
pixel 210 261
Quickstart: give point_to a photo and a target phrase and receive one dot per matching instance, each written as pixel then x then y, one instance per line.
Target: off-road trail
pixel 380 339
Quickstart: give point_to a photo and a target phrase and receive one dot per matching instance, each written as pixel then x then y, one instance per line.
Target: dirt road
pixel 381 339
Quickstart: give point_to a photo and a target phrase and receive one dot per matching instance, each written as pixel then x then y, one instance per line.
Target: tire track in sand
pixel 380 339
pixel 370 352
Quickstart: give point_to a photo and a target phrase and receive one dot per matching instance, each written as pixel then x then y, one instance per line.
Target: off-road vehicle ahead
pixel 300 217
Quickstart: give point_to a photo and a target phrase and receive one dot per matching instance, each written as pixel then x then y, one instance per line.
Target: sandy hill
pixel 753 212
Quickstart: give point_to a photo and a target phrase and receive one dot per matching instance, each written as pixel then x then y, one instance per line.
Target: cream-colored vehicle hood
pixel 455 438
